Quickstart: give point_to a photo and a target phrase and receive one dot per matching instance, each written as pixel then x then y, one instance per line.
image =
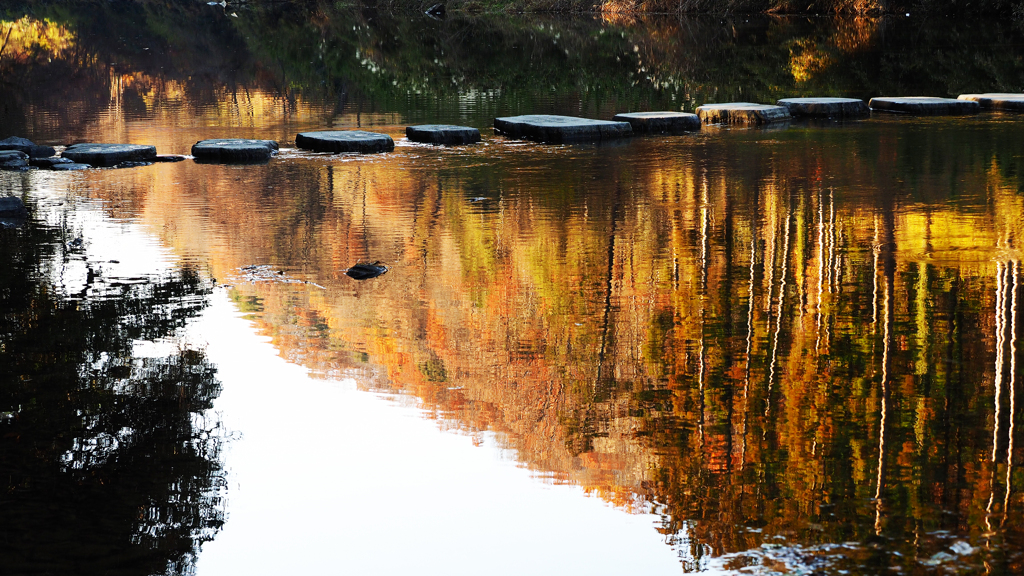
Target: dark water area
pixel 788 350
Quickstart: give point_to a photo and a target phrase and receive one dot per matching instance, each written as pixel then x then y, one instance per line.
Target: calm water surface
pixel 739 351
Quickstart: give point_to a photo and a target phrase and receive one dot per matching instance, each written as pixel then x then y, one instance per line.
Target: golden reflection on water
pixel 810 333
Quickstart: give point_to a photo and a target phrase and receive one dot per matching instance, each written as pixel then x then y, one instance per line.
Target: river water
pixel 740 351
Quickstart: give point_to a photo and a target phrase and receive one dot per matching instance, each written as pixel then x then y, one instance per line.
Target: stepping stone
pixel 925 105
pixel 747 113
pixel 345 141
pixel 27 146
pixel 560 129
pixel 13 160
pixel 443 134
pixel 229 150
pixel 109 154
pixel 660 122
pixel 67 167
pixel 994 101
pixel 826 107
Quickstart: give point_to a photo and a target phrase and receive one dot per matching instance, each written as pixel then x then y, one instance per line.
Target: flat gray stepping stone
pixel 560 129
pixel 660 122
pixel 234 150
pixel 13 160
pixel 69 166
pixel 924 105
pixel 745 113
pixel 444 134
pixel 345 141
pixel 996 101
pixel 826 107
pixel 109 154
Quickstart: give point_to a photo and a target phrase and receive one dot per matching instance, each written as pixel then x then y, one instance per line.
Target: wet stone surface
pixel 339 141
pixel 660 122
pixel 924 105
pixel 743 113
pixel 560 129
pixel 70 166
pixel 49 162
pixel 109 154
pixel 11 207
pixel 27 146
pixel 13 160
pixel 365 271
pixel 826 107
pixel 234 150
pixel 996 101
pixel 443 134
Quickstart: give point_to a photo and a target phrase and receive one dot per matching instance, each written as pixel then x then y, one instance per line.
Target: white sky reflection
pixel 327 479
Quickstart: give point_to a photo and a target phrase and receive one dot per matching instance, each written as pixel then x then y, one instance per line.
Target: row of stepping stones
pixel 18 153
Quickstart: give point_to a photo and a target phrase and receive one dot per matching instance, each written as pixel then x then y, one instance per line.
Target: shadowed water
pixel 795 348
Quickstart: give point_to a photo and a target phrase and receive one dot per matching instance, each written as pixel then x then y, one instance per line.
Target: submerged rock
pixel 109 154
pixel 69 166
pixel 744 113
pixel 826 107
pixel 13 160
pixel 364 271
pixel 443 134
pixel 560 129
pixel 169 158
pixel 660 122
pixel 338 141
pixel 925 105
pixel 234 150
pixel 994 101
pixel 12 208
pixel 48 162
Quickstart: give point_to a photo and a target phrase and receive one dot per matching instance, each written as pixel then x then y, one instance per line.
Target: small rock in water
pixel 364 271
pixel 27 146
pixel 169 158
pixel 48 162
pixel 13 160
pixel 131 164
pixel 69 166
pixel 962 548
pixel 12 207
